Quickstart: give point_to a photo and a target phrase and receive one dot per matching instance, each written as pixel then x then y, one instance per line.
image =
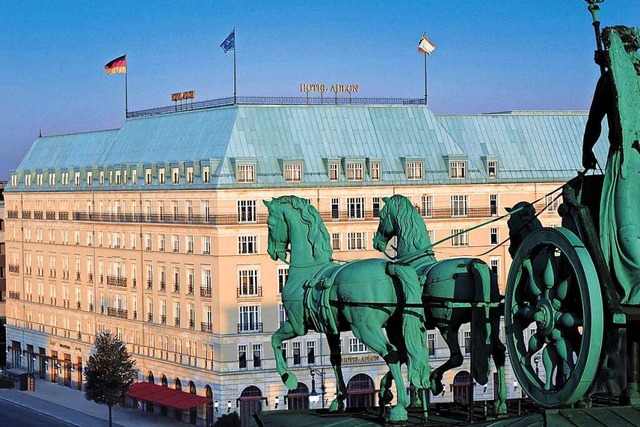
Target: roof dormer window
pixel 293 172
pixel 415 170
pixel 457 169
pixel 354 171
pixel 245 173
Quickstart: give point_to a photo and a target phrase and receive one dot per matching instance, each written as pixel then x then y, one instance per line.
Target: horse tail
pixel 481 318
pixel 413 325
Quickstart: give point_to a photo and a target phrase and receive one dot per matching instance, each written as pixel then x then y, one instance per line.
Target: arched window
pixel 193 413
pixel 250 402
pixel 461 387
pixel 299 398
pixel 209 393
pixel 360 392
pixel 150 377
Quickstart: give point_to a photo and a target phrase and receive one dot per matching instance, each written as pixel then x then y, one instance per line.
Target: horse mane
pixel 411 227
pixel 317 233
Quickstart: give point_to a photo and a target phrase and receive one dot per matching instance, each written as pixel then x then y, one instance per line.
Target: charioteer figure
pixel 617 96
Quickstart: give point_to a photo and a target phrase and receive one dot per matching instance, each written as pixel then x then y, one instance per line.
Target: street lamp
pixel 314 396
pixel 536 360
pixel 277 400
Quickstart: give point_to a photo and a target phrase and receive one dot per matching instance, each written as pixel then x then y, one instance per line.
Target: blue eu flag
pixel 230 42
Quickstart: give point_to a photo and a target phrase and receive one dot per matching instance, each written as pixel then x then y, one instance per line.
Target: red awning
pixel 165 396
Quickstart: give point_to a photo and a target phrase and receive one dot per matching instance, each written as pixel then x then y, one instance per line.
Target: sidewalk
pixel 70 406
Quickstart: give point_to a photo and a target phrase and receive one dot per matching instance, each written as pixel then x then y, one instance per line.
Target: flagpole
pixel 126 93
pixel 234 65
pixel 425 78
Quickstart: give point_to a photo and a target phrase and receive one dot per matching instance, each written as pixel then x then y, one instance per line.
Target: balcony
pixel 90 278
pixel 26 214
pixel 135 315
pixel 133 283
pixel 12 214
pixel 149 284
pixel 176 287
pixel 14 295
pixel 205 291
pixel 38 215
pixel 206 327
pixel 248 292
pixel 117 281
pixel 163 286
pixel 78 305
pixel 117 312
pixel 176 321
pixel 91 307
pixel 150 317
pixel 192 324
pixel 50 215
pixel 163 319
pixel 244 328
pixel 78 275
pixel 14 268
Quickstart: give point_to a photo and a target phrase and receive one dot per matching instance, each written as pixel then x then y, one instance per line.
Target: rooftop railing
pixel 274 100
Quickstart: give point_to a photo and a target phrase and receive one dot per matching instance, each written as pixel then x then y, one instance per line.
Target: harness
pixel 317 291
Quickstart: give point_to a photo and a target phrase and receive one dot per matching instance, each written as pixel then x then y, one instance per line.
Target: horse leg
pixel 374 338
pixel 450 336
pixel 285 332
pixel 498 353
pixel 337 405
pixel 385 395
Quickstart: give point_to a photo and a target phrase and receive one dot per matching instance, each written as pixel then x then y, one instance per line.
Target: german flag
pixel 117 66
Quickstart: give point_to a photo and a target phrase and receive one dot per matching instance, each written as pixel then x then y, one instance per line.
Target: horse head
pixel 278 239
pixel 294 224
pixel 400 218
pixel 521 223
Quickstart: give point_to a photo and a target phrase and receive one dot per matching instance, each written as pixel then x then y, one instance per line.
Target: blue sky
pixel 491 55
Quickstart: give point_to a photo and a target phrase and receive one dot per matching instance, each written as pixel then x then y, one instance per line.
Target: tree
pixel 109 372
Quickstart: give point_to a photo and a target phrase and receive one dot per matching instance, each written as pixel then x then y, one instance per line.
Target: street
pixel 14 415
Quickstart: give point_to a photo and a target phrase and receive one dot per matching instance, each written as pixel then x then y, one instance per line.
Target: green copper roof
pixel 528 146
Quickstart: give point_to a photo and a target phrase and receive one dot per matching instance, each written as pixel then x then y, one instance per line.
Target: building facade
pixel 3 281
pixel 157 232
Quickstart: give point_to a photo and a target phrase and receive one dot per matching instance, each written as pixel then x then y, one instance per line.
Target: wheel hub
pixel 543 316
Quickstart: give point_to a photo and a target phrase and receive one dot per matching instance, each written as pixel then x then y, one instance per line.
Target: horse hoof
pixel 398 414
pixel 336 406
pixel 290 380
pixel 501 408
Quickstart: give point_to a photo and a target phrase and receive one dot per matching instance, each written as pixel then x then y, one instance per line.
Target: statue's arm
pixel 593 128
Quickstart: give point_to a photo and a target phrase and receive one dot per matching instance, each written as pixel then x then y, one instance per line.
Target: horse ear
pixel 508 209
pixel 386 200
pixel 267 203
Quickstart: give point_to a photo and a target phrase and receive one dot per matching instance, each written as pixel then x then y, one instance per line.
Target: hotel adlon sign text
pixel 335 88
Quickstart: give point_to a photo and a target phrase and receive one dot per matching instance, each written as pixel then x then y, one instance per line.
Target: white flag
pixel 425 45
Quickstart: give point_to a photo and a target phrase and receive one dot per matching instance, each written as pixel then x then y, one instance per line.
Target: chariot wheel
pixel 554 317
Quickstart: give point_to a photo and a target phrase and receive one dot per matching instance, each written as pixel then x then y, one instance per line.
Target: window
pixel 457 169
pixel 459 205
pixel 257 351
pixel 334 171
pixel 161 176
pixel 246 210
pixel 161 242
pixel 248 283
pixel 356 346
pixel 89 178
pixel 189 243
pixel 39 180
pixel 118 178
pixel 293 172
pixel 175 243
pixel 492 168
pixel 467 342
pixel 355 207
pixel 493 204
pixel 14 180
pixel 175 176
pixel 460 237
pixel 375 171
pixel 283 348
pixel 147 176
pixel 355 241
pixel 414 170
pixel 494 263
pixel 376 207
pixel 27 180
pixel 242 356
pixel 283 275
pixel 431 343
pixel 552 202
pixel 205 174
pixel 335 209
pixel 426 210
pixel 249 319
pixel 205 211
pixel 176 211
pixel 189 174
pixel 206 245
pixel 245 173
pixel 205 289
pixel 335 241
pixel 247 245
pixel 65 178
pixel 354 171
pixel 311 352
pixel 296 353
pixel 52 179
pixel 494 236
pixel 134 176
pixel 101 178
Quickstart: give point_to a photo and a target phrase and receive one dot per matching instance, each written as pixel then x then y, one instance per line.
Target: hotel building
pixel 156 231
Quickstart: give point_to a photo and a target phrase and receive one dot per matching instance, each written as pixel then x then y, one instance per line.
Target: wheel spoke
pixel 549 276
pixel 569 320
pixel 533 286
pixel 562 289
pixel 525 312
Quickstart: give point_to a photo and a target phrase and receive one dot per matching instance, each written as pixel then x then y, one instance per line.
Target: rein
pixel 427 251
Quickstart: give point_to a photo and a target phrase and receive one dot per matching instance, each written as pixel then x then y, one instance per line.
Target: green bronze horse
pixel 365 296
pixel 458 280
